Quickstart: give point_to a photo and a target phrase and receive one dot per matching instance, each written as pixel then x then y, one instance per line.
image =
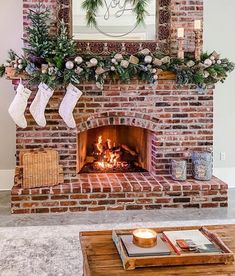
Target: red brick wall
pixel 181 119
pixel 183 14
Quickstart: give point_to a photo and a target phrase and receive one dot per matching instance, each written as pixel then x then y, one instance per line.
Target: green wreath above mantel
pixel 55 60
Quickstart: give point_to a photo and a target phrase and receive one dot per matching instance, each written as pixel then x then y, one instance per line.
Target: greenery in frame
pixel 91 8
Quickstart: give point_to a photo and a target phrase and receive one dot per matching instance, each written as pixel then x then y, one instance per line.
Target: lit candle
pixel 197 25
pixel 180 32
pixel 144 237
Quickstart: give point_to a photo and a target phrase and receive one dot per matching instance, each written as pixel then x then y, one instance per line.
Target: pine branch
pixel 12 55
pixel 38 39
pixel 91 7
pixel 64 47
pixel 140 10
pixel 2 70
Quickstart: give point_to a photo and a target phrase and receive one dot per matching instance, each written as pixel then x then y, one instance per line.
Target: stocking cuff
pixel 45 88
pixel 20 88
pixel 74 90
pixel 24 92
pixel 27 93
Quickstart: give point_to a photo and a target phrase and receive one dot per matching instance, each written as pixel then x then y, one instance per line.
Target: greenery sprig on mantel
pixel 64 63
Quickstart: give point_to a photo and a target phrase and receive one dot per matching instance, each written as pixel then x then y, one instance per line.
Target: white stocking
pixel 18 106
pixel 68 104
pixel 38 106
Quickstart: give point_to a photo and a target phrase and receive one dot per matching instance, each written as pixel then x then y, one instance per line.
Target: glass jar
pixel 179 169
pixel 202 165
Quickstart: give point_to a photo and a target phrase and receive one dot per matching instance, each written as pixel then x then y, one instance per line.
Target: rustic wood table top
pixel 101 256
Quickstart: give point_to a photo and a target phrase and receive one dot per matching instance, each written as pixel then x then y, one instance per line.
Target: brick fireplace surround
pixel 178 120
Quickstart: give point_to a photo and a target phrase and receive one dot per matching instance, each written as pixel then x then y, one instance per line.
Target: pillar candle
pixel 180 32
pixel 197 25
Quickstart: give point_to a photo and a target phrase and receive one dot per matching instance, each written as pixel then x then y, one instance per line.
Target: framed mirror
pixel 115 21
pixel 116 29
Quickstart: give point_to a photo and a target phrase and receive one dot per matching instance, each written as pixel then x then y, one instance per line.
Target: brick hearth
pixel 129 191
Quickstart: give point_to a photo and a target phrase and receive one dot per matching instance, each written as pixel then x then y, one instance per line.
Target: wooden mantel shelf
pixel 167 75
pixel 12 75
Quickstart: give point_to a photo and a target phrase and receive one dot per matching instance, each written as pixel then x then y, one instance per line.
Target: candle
pixel 197 25
pixel 180 32
pixel 144 237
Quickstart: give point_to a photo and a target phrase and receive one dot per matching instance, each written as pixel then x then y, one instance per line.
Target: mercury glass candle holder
pixel 179 169
pixel 202 165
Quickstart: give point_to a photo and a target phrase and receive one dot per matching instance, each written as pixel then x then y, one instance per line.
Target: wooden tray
pixel 130 263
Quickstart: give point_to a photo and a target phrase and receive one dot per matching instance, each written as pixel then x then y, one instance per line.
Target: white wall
pixel 219 35
pixel 10 32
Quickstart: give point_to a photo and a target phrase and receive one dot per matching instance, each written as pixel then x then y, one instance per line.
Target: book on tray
pixel 160 249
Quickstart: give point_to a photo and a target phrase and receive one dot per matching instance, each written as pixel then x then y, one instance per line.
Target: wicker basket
pixel 40 168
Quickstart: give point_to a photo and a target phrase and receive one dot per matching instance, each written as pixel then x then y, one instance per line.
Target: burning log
pixel 132 152
pixel 107 155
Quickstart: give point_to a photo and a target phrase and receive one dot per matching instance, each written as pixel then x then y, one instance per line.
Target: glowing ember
pixel 109 155
pixel 101 164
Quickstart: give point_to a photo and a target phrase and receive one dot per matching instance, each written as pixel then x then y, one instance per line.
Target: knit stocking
pixel 38 106
pixel 18 106
pixel 68 103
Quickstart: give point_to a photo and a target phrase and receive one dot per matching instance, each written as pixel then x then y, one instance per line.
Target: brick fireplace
pixel 176 120
pixel 158 123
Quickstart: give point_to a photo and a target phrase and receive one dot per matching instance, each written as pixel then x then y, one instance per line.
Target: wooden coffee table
pixel 101 256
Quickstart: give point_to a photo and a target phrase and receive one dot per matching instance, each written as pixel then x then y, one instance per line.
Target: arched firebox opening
pixel 114 148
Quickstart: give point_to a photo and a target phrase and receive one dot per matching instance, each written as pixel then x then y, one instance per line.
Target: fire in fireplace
pixel 113 149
